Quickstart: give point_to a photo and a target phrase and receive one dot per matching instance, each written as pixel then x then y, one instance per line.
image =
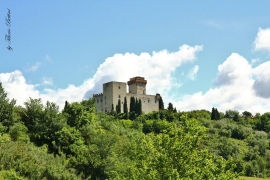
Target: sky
pixel 196 54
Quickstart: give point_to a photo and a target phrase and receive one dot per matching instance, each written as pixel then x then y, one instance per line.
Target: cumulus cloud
pixel 34 67
pixel 262 83
pixel 193 73
pixel 156 67
pixel 237 86
pixel 262 39
pixel 235 70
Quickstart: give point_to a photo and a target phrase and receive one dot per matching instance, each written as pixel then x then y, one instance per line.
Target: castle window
pixel 119 96
pixel 101 100
pixel 119 87
pixel 148 101
pixel 97 100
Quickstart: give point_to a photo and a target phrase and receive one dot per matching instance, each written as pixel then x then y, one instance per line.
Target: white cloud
pixel 253 61
pixel 262 83
pixel 156 67
pixel 238 86
pixel 234 70
pixel 34 67
pixel 47 81
pixel 262 41
pixel 16 86
pixel 193 73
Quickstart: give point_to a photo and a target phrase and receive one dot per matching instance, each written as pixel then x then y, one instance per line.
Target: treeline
pixel 38 141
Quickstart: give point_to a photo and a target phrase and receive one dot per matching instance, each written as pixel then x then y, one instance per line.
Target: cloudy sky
pixel 196 55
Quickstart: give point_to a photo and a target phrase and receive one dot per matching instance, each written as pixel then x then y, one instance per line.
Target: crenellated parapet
pixel 98 95
pixel 137 79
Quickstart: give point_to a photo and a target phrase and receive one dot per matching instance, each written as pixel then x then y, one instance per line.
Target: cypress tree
pixel 217 115
pixel 125 108
pixel 132 108
pixel 160 103
pixel 170 107
pixel 125 105
pixel 213 114
pixel 132 104
pixel 140 107
pixel 112 110
pixel 119 107
pixel 136 106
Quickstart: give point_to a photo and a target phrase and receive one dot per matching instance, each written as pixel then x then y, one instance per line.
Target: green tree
pixel 33 115
pixel 140 107
pixel 136 106
pixel 6 109
pixel 125 108
pixel 246 114
pixel 118 107
pixel 215 115
pixel 18 132
pixel 232 114
pixel 132 108
pixel 160 103
pixel 112 109
pixel 132 104
pixel 264 122
pixel 170 107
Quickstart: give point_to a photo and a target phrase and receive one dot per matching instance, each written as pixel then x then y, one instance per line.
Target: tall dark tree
pixel 139 107
pixel 170 107
pixel 119 107
pixel 136 106
pixel 125 106
pixel 112 110
pixel 215 115
pixel 174 110
pixel 132 104
pixel 160 103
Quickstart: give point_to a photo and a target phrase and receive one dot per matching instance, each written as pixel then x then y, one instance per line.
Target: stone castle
pixel 113 91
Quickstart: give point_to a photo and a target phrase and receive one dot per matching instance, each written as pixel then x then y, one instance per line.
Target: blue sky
pixel 196 54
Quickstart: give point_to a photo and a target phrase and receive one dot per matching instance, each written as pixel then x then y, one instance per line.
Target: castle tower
pixel 137 85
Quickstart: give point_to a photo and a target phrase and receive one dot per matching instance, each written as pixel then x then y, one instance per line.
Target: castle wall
pixel 149 102
pixel 113 91
pixel 137 88
pixel 99 101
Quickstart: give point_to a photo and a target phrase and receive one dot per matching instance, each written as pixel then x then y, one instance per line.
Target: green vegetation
pixel 38 141
pixel 253 178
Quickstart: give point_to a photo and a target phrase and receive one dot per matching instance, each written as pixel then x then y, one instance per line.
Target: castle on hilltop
pixel 115 91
